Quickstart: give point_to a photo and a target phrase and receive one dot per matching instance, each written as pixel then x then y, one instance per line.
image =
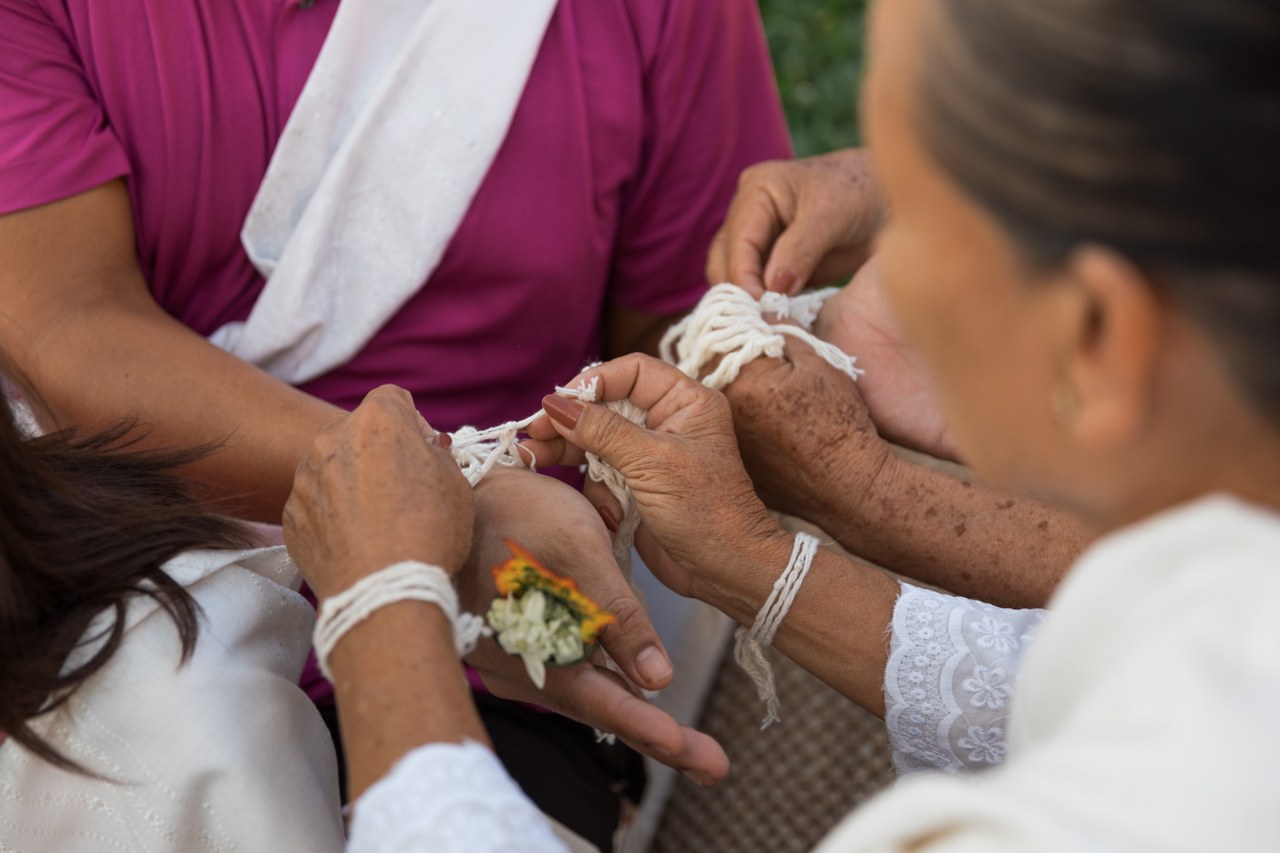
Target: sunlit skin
pixel 1151 417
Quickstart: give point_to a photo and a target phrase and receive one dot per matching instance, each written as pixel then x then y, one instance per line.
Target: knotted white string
pixel 750 643
pixel 730 325
pixel 479 451
pixel 406 581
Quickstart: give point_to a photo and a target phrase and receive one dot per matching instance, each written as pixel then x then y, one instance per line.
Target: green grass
pixel 817 54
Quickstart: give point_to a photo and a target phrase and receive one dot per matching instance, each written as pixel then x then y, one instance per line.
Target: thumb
pixel 599 430
pixel 799 251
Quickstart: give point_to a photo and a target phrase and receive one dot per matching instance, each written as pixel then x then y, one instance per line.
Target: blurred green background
pixel 817 54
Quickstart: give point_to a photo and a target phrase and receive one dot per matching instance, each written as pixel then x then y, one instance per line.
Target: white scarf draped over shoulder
pixel 407 106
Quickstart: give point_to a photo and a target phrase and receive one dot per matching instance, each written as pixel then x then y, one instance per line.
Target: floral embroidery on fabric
pixel 994 634
pixel 986 746
pixel 952 669
pixel 987 688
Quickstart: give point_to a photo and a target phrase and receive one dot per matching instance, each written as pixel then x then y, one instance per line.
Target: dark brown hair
pixel 85 524
pixel 1148 126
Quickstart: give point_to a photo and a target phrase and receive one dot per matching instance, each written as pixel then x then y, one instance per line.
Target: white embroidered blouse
pixel 953 663
pixel 1145 713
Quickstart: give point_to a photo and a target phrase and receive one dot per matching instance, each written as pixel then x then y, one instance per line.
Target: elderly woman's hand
pixel 805 434
pixel 798 222
pixel 375 490
pixel 700 514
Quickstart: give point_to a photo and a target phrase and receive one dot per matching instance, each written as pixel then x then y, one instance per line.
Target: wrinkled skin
pixel 377 488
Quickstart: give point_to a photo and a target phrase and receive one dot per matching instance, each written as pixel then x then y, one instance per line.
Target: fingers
pixel 647 382
pixel 546 447
pixel 599 430
pixel 754 221
pixel 659 388
pixel 597 697
pixel 800 249
pixel 631 641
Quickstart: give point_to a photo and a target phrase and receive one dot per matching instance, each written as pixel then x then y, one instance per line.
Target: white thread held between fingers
pixel 730 326
pixel 479 451
pixel 406 581
pixel 750 643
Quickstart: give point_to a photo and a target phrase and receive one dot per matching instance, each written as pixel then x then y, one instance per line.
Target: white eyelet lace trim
pixel 953 663
pixel 449 798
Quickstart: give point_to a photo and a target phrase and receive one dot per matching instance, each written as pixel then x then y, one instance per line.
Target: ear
pixel 1112 347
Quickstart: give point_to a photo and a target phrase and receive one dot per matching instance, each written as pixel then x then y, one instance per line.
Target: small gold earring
pixel 1063 404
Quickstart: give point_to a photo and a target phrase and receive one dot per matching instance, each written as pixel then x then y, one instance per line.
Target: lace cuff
pixel 449 798
pixel 952 667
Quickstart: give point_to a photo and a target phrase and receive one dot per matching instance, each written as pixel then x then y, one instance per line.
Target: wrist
pixel 740 581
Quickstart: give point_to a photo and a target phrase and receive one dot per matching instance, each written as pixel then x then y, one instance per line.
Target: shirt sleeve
pixel 711 110
pixel 953 664
pixel 449 798
pixel 55 140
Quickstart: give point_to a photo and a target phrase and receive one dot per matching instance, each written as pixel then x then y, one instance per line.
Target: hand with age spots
pixel 804 433
pixel 376 489
pixel 794 223
pixel 685 470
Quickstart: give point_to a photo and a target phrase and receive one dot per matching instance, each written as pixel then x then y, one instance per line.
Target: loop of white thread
pixel 729 324
pixel 406 581
pixel 479 451
pixel 750 643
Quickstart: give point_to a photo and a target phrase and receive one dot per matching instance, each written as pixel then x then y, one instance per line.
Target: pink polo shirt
pixel 619 166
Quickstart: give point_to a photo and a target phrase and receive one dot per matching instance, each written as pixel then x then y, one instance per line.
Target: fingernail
pixel 562 410
pixel 783 281
pixel 701 779
pixel 653 665
pixel 442 440
pixel 610 520
pixel 650 748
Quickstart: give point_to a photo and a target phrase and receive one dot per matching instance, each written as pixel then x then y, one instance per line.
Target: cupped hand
pixel 374 490
pixel 798 222
pixel 696 502
pixel 564 531
pixel 556 524
pixel 896 387
pixel 596 696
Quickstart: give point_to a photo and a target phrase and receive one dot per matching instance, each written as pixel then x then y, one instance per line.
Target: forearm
pixel 957 534
pixel 122 356
pixel 838 624
pixel 399 685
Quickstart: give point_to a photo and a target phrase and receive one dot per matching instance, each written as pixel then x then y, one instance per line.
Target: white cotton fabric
pixel 395 129
pixel 953 664
pixel 223 753
pixel 449 798
pixel 1145 713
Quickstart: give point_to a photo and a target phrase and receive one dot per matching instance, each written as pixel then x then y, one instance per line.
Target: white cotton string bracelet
pixel 406 581
pixel 750 642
